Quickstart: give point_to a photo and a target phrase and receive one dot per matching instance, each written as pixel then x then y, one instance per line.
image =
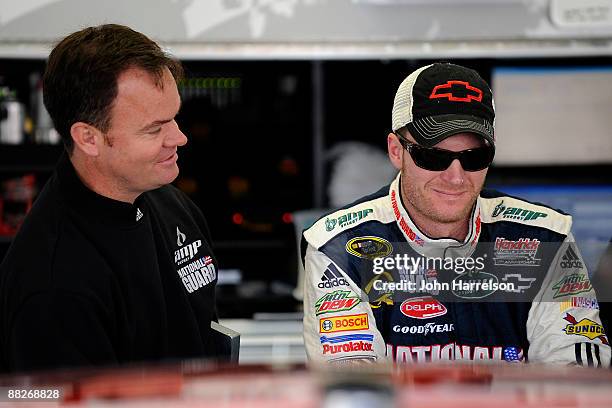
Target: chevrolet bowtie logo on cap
pixel 441 100
pixel 457 91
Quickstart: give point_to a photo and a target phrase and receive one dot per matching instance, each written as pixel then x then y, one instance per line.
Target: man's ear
pixel 395 150
pixel 86 138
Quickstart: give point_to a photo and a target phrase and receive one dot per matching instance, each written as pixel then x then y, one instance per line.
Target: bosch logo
pixel 423 308
pixel 457 91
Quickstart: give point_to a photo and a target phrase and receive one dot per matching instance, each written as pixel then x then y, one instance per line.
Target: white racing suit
pixel 516 289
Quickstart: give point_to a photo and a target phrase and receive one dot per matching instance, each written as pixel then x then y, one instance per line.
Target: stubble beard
pixel 428 209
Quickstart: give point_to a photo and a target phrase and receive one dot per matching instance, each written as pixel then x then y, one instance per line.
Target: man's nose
pixel 454 174
pixel 176 137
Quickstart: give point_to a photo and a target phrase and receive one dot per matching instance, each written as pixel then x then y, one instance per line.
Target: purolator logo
pixel 336 301
pixel 585 327
pixel 334 324
pixel 347 347
pixel 572 285
pixel 423 308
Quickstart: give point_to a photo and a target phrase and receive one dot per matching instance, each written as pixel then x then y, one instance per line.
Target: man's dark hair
pixel 80 81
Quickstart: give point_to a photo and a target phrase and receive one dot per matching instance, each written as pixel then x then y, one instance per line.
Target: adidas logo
pixel 332 278
pixel 570 259
pixel 139 214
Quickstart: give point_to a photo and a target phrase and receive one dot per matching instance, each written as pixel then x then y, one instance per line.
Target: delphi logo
pixel 422 308
pixel 457 91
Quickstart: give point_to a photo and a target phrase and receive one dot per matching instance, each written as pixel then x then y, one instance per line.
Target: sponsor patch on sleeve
pixel 336 301
pixel 585 327
pixel 334 324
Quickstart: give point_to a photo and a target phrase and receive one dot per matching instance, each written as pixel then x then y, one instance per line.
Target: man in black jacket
pixel 112 265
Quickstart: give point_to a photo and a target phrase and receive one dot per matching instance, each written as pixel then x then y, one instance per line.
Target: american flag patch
pixel 513 354
pixel 207 260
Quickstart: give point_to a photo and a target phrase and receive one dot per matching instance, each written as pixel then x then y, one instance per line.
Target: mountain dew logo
pixel 572 285
pixel 516 213
pixel 336 301
pixel 347 219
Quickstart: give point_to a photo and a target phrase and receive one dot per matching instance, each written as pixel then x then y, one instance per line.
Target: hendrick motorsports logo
pixel 369 247
pixel 337 301
pixel 516 213
pixel 516 253
pixel 585 327
pixel 347 219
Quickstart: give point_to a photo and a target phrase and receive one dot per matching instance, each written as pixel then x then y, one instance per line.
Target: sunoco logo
pixel 347 219
pixel 369 247
pixel 585 327
pixel 516 213
pixel 422 308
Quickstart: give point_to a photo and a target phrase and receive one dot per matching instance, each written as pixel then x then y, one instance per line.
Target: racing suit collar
pixel 432 247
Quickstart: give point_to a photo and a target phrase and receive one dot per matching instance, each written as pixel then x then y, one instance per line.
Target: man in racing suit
pixel 506 280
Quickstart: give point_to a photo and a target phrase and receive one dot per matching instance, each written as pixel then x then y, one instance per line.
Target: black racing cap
pixel 441 100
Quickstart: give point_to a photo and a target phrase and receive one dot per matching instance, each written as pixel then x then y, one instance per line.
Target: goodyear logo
pixel 347 219
pixel 343 323
pixel 585 327
pixel 516 213
pixel 369 247
pixel 337 301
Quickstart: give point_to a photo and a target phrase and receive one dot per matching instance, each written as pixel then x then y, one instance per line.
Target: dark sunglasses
pixel 435 159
